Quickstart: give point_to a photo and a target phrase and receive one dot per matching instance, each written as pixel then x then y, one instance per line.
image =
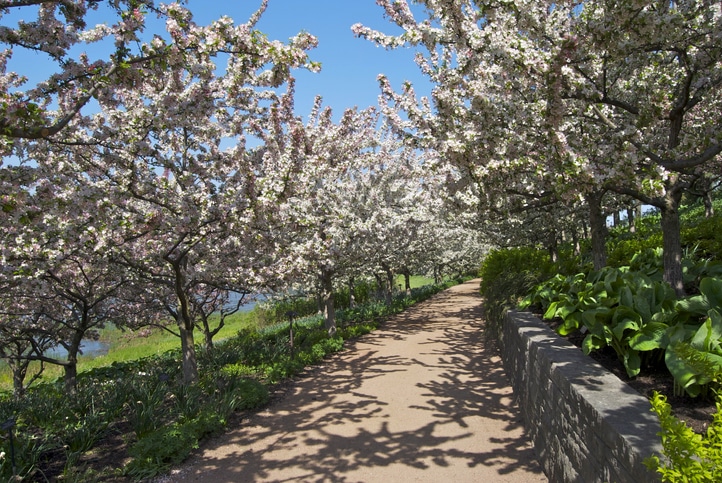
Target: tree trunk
pixel 329 313
pixel 553 247
pixel 71 364
pixel 207 335
pixel 407 282
pixel 188 350
pixel 577 243
pixel 379 286
pixel 708 205
pixel 388 293
pixel 672 240
pixel 185 324
pixel 598 225
pixel 19 370
pixel 631 220
pixel 71 373
pixel 351 297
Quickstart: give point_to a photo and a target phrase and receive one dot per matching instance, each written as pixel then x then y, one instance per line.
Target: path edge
pixel 584 422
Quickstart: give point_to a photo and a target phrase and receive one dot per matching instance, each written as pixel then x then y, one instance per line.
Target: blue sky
pixel 349 65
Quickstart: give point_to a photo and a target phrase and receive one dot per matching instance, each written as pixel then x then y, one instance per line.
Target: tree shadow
pixel 445 389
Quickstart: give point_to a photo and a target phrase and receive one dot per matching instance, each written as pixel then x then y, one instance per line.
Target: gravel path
pixel 421 399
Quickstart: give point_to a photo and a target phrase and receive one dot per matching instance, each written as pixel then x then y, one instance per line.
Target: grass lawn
pixel 416 281
pixel 132 345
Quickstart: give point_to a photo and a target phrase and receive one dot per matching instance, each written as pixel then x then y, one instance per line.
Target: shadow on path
pixel 420 399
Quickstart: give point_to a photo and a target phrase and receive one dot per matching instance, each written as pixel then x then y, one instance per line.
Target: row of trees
pixel 548 107
pixel 151 185
pixel 148 183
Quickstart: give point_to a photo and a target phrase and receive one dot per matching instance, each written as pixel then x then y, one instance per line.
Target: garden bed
pixel 696 412
pixel 585 423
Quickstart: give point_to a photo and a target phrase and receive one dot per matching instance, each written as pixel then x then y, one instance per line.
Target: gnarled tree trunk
pixel 598 224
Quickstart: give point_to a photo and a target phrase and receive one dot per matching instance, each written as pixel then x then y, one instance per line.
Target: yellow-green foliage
pixel 687 456
pixel 508 275
pixel 705 235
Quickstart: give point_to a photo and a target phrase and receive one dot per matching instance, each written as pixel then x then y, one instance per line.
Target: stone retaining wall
pixel 586 425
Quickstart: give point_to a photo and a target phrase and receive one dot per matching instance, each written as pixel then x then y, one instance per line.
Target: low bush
pixel 508 275
pixel 688 456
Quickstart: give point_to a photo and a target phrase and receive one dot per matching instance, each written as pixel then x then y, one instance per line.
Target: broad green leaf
pixel 596 317
pixel 684 375
pixel 679 333
pixel 711 289
pixel 624 312
pixel 620 327
pixel 571 324
pixel 709 333
pixel 565 310
pixel 626 297
pixel 551 311
pixel 591 343
pixel 643 303
pixel 650 337
pixel 696 305
pixel 632 363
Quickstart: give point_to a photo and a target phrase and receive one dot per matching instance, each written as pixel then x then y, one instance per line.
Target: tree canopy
pixel 146 184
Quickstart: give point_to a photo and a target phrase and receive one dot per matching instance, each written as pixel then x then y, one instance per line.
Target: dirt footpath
pixel 421 399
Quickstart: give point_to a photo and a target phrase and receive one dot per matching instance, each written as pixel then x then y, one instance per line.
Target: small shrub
pixel 621 252
pixel 506 277
pixel 238 369
pixel 688 456
pixel 157 452
pixel 705 235
pixel 252 394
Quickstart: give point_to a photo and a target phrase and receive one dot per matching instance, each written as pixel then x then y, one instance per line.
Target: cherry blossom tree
pixel 567 99
pixel 40 108
pixel 174 186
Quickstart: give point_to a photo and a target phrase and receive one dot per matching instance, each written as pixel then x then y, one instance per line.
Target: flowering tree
pixel 654 96
pixel 488 115
pixel 59 284
pixel 20 345
pixel 194 205
pixel 568 99
pixel 60 30
pixel 170 204
pixel 394 209
pixel 320 161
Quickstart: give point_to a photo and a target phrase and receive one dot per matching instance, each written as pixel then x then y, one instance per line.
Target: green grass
pixel 131 345
pixel 416 281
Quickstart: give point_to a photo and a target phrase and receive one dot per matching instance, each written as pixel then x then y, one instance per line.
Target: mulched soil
pixel 696 412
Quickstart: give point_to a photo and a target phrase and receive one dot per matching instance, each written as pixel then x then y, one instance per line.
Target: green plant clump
pixel 688 457
pixel 508 275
